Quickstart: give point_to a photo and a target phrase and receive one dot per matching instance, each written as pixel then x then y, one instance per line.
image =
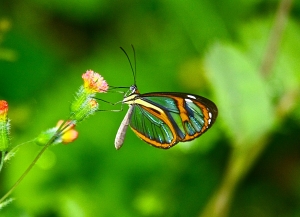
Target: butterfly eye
pixel 132 88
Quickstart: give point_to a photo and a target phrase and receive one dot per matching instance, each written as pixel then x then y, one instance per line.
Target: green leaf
pixel 244 105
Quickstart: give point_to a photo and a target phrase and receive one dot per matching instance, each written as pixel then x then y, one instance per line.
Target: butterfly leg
pixel 113 104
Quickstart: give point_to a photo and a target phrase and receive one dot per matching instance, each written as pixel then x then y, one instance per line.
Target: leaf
pixel 242 99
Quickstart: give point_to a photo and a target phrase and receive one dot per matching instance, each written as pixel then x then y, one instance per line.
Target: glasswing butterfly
pixel 163 119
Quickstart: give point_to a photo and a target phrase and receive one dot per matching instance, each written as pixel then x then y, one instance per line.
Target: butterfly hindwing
pixel 164 119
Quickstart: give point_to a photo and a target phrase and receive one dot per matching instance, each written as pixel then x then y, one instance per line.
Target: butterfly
pixel 163 119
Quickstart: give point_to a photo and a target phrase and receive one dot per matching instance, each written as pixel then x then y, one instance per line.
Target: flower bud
pixel 88 108
pixel 64 134
pixel 4 126
pixel 69 134
pixel 84 104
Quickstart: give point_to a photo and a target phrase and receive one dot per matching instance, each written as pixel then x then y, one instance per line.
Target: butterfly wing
pixel 164 119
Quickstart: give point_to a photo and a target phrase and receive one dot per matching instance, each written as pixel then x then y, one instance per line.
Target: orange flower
pixel 3 109
pixel 66 134
pixel 4 126
pixel 69 134
pixel 94 83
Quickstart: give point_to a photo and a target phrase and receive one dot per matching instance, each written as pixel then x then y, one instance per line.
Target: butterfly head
pixel 133 89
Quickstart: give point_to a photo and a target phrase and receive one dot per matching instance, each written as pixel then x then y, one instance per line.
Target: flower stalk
pixel 82 107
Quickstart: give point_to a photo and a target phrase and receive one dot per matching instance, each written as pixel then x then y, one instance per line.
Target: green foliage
pixel 210 48
pixel 241 93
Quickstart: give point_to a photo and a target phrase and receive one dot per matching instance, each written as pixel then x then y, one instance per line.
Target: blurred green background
pixel 248 164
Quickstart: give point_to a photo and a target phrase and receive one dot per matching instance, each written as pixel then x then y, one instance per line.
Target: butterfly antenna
pixel 133 72
pixel 134 64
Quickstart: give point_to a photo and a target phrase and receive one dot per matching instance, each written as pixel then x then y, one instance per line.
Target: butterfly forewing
pixel 151 128
pixel 164 119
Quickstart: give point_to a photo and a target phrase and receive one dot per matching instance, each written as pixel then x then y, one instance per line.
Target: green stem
pixel 28 169
pixel 58 133
pixel 240 162
pixel 275 37
pixel 2 159
pixel 242 159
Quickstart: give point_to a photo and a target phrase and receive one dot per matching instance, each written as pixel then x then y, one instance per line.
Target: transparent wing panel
pixel 195 115
pixel 150 126
pixel 169 106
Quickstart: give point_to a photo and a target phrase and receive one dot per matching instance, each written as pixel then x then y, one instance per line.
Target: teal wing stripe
pixel 168 105
pixel 150 126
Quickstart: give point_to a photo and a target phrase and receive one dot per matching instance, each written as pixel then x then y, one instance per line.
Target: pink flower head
pixel 3 109
pixel 94 83
pixel 69 134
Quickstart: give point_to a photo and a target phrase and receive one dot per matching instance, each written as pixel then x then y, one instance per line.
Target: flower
pixel 64 133
pixel 69 134
pixel 84 104
pixel 93 82
pixel 4 126
pixel 3 109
